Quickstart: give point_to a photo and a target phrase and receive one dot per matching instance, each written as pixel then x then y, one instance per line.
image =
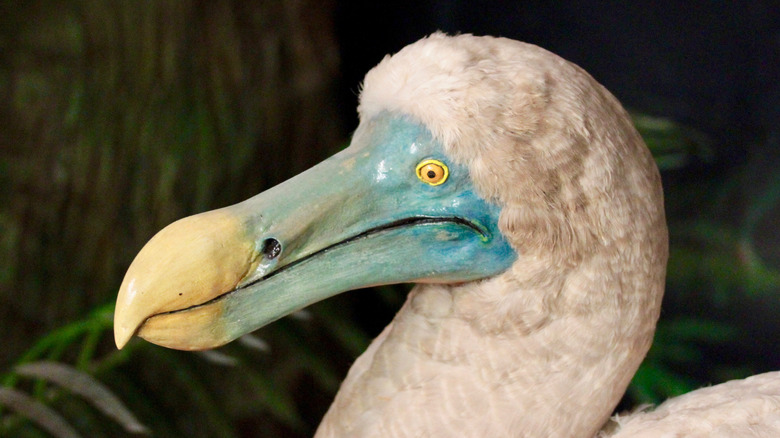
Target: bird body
pixel 508 184
pixel 748 408
pixel 574 315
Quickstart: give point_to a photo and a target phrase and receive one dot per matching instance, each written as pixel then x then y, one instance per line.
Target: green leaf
pixel 672 144
pixel 37 412
pixel 81 383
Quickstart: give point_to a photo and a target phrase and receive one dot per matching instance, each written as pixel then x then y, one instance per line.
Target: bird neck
pixel 498 357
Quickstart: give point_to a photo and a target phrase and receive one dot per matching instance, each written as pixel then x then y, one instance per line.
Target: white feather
pixel 547 348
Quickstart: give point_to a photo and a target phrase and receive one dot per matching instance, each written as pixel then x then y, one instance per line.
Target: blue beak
pixel 390 208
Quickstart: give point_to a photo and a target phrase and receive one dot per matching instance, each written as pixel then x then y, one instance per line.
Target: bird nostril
pixel 271 248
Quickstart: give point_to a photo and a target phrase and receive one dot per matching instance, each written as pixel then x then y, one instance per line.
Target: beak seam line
pixel 411 221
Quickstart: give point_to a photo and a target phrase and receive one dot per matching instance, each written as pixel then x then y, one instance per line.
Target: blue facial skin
pixel 363 218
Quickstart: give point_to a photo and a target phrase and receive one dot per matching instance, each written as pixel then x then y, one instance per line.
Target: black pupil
pixel 431 174
pixel 272 248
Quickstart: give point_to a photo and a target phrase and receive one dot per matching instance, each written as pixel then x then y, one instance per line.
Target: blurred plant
pixel 119 117
pixel 53 381
pixel 713 268
pixel 673 145
pixel 42 392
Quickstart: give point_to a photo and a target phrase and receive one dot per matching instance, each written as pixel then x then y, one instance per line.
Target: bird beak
pixel 360 218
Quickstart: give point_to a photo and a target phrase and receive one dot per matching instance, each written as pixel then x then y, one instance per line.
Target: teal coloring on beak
pixel 390 208
pixel 365 217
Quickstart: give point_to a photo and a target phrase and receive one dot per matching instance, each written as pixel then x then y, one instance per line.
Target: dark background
pixel 117 118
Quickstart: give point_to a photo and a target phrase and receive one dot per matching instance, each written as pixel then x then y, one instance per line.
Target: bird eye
pixel 432 172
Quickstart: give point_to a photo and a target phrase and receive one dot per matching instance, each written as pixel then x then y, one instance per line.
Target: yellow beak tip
pixel 121 337
pixel 125 326
pixel 188 263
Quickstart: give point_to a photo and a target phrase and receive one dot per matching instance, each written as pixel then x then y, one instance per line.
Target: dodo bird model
pixel 514 190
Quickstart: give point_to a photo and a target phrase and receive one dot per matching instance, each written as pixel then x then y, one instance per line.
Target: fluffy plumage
pixel 547 348
pixel 736 409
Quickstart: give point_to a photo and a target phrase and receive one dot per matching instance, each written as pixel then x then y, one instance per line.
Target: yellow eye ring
pixel 432 172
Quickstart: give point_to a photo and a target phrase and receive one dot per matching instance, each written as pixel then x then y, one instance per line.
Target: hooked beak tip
pixel 188 263
pixel 121 337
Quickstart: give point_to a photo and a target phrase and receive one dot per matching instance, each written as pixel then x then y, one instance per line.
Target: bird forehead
pixel 485 99
pixel 397 144
pixel 460 87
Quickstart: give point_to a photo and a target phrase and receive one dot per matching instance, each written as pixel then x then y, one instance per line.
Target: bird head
pixel 475 158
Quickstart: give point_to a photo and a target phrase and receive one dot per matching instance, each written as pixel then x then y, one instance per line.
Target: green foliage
pixel 40 393
pixel 119 117
pixel 52 380
pixel 714 267
pixel 673 145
